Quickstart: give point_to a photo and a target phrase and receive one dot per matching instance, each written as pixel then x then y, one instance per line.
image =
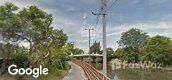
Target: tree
pixel 95 48
pixel 9 22
pixel 7 50
pixel 20 57
pixel 37 25
pixel 32 25
pixel 134 39
pixel 69 48
pixel 77 51
pixel 159 50
pixel 110 54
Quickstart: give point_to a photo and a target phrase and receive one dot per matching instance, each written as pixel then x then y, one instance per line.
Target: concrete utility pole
pixel 89 40
pixel 103 13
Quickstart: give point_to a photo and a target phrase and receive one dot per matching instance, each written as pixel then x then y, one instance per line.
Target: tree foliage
pixel 77 51
pixel 127 54
pixel 133 40
pixel 33 26
pixel 110 54
pixel 7 50
pixel 159 50
pixel 20 57
pixel 95 48
pixel 156 49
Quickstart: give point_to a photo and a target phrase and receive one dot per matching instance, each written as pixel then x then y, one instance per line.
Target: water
pixel 136 74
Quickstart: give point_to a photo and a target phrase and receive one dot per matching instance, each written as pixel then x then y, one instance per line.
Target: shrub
pixel 20 57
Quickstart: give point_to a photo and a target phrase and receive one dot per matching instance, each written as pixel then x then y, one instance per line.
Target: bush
pixel 20 57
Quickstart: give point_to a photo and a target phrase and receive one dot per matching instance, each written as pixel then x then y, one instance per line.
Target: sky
pixel 74 16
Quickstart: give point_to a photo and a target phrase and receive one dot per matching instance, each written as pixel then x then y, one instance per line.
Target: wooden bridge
pixel 91 72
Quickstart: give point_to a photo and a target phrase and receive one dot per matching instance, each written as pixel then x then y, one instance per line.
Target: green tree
pixel 7 50
pixel 37 25
pixel 126 54
pixel 159 50
pixel 69 48
pixel 95 48
pixel 110 54
pixel 34 26
pixel 135 40
pixel 9 22
pixel 77 51
pixel 20 57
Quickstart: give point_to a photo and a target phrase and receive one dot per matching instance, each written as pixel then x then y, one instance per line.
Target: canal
pixel 136 74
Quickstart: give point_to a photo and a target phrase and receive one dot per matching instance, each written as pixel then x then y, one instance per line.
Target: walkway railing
pixel 91 72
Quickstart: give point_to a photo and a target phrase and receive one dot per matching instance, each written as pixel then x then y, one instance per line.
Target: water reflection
pixel 136 74
pixel 115 77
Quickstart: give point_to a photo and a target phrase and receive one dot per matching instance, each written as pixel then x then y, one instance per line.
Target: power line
pixel 112 5
pixel 97 19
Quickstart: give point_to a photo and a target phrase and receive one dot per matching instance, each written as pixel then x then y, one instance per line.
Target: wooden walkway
pixel 91 72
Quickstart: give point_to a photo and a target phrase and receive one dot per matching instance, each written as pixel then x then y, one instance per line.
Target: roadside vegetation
pixel 47 46
pixel 136 45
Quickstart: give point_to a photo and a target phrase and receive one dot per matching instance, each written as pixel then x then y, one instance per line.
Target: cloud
pixel 150 28
pixel 156 2
pixel 73 16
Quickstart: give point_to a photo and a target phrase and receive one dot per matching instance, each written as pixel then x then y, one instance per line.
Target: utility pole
pixel 89 40
pixel 103 13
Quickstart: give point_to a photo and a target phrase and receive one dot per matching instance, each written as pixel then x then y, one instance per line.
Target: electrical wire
pixel 112 5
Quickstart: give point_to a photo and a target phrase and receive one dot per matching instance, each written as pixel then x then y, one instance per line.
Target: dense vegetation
pixel 95 48
pixel 47 46
pixel 136 45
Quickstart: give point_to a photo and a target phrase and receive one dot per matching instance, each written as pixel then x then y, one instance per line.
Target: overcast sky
pixel 73 16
